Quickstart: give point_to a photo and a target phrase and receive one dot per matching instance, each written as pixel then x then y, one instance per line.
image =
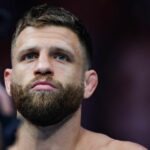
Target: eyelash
pixel 61 55
pixel 35 55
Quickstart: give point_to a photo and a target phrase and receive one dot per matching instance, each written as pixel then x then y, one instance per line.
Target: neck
pixel 64 136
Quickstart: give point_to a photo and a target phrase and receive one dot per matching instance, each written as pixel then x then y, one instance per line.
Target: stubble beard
pixel 46 108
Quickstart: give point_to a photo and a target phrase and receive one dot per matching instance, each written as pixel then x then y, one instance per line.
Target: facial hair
pixel 45 108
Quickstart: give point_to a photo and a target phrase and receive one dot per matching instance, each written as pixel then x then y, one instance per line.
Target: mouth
pixel 43 86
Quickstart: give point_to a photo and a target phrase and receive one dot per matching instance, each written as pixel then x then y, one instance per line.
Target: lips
pixel 43 85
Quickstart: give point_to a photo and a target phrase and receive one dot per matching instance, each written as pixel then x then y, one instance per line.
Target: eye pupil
pixel 30 56
pixel 61 57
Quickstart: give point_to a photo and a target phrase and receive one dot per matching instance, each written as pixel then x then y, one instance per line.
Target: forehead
pixel 47 36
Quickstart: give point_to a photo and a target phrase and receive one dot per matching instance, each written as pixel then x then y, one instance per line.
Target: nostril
pixel 43 72
pixel 37 72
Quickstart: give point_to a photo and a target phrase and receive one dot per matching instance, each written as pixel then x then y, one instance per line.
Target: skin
pixel 68 134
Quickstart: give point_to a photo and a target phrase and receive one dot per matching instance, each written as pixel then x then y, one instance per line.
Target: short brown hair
pixel 43 15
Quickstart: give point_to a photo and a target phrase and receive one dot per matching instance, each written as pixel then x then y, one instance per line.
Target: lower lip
pixel 42 87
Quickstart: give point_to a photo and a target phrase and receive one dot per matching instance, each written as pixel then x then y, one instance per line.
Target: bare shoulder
pixel 93 141
pixel 97 141
pixel 124 145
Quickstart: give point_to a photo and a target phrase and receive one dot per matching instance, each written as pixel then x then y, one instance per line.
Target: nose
pixel 43 65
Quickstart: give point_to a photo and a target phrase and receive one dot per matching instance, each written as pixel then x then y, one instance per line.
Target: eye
pixel 61 57
pixel 30 56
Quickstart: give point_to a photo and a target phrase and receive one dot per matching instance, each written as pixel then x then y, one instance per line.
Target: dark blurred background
pixel 120 107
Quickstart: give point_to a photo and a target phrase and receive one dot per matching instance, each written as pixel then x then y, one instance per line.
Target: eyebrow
pixel 26 50
pixel 53 49
pixel 68 52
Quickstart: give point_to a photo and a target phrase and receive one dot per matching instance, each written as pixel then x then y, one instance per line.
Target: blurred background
pixel 120 107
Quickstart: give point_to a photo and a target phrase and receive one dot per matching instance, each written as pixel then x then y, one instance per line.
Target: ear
pixel 7 78
pixel 90 83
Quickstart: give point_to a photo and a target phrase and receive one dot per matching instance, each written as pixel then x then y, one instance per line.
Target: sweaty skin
pixel 35 52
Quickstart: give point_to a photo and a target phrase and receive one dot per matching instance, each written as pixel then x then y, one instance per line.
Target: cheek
pixel 21 74
pixel 70 74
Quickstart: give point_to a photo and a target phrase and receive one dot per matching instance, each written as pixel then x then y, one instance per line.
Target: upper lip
pixel 42 82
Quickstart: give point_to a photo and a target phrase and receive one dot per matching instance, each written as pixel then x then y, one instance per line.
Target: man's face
pixel 47 78
pixel 53 50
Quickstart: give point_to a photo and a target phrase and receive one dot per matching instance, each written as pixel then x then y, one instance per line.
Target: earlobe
pixel 90 84
pixel 7 78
